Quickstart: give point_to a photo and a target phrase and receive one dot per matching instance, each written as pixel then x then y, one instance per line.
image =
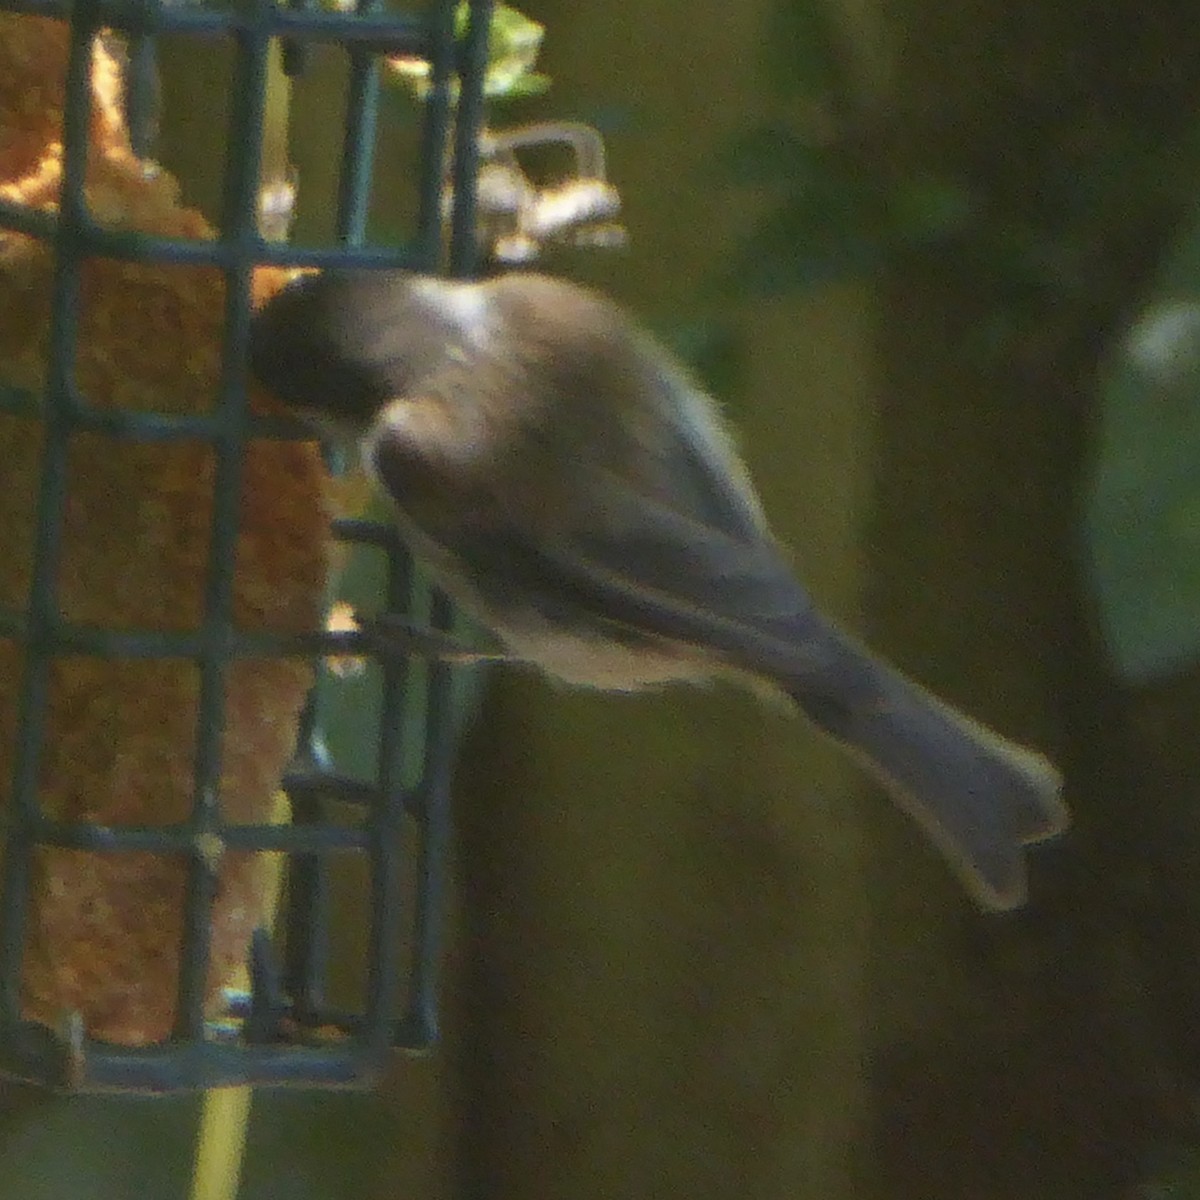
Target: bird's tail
pixel 978 797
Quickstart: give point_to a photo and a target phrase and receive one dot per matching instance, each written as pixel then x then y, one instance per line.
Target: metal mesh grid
pixel 288 986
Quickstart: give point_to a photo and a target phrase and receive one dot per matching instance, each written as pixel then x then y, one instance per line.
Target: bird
pixel 571 487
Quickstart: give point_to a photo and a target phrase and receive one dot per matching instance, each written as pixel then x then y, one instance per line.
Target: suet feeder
pixel 167 549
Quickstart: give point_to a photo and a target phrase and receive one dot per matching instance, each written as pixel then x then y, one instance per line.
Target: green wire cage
pixel 283 1028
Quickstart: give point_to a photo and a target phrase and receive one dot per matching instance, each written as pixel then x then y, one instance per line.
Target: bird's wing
pixel 664 538
pixel 644 566
pixel 696 452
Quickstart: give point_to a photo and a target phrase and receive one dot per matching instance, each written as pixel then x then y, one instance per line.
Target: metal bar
pixel 239 229
pixel 367 533
pixel 464 253
pixel 141 426
pixel 432 809
pixel 386 825
pixel 306 943
pixel 66 638
pixel 296 56
pixel 434 134
pixel 382 34
pixel 342 788
pixel 174 1067
pixel 323 839
pixel 131 246
pixel 35 222
pixel 358 143
pixel 52 495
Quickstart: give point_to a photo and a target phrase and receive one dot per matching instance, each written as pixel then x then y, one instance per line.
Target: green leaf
pixel 924 209
pixel 514 42
pixel 713 350
pixel 1143 512
pixel 769 154
pixel 800 52
pixel 828 230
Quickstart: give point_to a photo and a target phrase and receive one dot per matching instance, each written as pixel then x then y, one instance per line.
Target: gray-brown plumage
pixel 572 488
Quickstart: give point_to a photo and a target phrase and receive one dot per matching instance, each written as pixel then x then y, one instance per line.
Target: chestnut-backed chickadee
pixel 571 487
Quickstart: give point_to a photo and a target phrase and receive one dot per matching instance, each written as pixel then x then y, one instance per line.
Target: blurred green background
pixel 942 262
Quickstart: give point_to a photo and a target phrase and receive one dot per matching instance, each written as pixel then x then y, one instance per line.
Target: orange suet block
pixel 120 736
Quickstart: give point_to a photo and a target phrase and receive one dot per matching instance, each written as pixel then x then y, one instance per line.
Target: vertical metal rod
pixel 239 228
pixel 297 54
pixel 434 135
pixel 433 812
pixel 358 145
pixel 464 253
pixel 43 612
pixel 386 824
